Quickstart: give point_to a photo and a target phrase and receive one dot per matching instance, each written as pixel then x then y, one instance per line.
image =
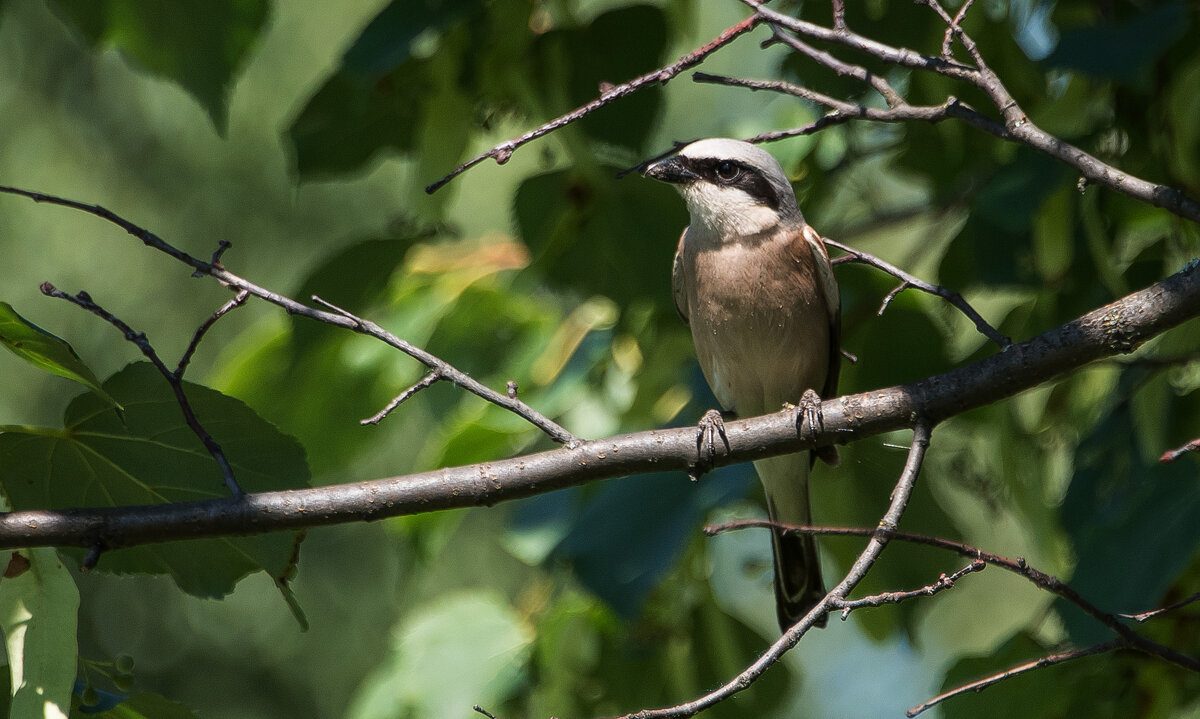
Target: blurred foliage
pixel 305 132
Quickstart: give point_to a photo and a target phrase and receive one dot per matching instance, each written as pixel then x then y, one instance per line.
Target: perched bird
pixel 755 284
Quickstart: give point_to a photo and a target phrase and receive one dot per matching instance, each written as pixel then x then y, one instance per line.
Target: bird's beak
pixel 671 170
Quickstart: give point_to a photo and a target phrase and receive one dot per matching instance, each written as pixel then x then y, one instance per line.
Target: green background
pixel 304 133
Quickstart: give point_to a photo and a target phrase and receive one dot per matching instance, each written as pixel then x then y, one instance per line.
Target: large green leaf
pixel 1122 510
pixel 1123 52
pixel 38 607
pixel 199 44
pixel 600 235
pixel 463 649
pixel 46 351
pixel 148 455
pixel 375 99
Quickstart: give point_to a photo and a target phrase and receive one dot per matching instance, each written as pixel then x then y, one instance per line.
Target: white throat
pixel 726 212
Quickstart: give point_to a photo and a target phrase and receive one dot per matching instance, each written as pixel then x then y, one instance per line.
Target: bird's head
pixel 731 187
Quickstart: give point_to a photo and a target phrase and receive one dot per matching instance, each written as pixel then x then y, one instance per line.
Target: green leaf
pixel 460 650
pixel 1121 509
pixel 46 351
pixel 38 612
pixel 198 44
pixel 376 98
pixel 602 236
pixel 148 455
pixel 1122 52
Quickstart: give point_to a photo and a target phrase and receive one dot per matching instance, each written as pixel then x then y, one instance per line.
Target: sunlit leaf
pixel 38 607
pixel 46 351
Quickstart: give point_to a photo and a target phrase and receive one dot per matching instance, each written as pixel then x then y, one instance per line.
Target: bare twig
pixel 879 540
pixel 500 153
pixel 237 301
pixel 947 41
pixel 1174 454
pixel 336 317
pixel 944 582
pixel 174 379
pixel 981 684
pixel 1019 566
pixel 907 281
pixel 424 383
pixel 1146 616
pixel 843 111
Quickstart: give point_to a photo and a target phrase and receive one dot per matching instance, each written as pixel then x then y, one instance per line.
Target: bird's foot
pixel 810 423
pixel 711 425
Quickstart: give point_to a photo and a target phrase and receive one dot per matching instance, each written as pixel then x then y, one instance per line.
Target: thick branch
pixel 1117 328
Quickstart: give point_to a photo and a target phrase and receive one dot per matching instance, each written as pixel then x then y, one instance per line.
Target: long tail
pixel 798 584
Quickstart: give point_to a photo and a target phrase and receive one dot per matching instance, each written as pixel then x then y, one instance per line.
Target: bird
pixel 754 283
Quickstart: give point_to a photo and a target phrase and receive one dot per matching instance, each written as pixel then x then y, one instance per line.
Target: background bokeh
pixel 304 133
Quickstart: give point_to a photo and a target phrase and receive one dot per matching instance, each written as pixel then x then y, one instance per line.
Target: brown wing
pixel 678 289
pixel 828 286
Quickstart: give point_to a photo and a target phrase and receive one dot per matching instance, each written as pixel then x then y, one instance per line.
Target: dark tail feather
pixel 798 584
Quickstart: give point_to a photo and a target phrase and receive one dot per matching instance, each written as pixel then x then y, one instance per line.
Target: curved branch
pixel 1114 329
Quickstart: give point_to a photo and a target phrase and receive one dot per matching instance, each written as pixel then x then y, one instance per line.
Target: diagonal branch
pixel 907 280
pixel 981 684
pixel 174 379
pixel 336 317
pixel 500 153
pixel 858 570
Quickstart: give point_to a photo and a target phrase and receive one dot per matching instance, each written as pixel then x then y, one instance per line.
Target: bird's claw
pixel 711 425
pixel 809 422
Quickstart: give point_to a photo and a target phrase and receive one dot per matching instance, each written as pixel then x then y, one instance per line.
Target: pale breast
pixel 759 321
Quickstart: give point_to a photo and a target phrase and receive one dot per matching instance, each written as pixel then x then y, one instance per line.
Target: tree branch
pixel 1119 327
pixel 500 153
pixel 337 317
pixel 907 281
pixel 1015 125
pixel 981 684
pixel 858 570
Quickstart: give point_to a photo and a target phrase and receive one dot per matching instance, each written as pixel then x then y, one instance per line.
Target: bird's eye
pixel 728 171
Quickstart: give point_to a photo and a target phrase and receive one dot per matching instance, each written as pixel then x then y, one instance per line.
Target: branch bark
pixel 1117 328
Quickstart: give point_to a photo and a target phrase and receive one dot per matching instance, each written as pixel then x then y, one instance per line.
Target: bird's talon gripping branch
pixel 711 425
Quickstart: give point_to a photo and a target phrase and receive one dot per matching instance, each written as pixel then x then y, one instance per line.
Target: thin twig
pixel 237 301
pixel 948 39
pixel 338 318
pixel 174 379
pixel 1174 454
pixel 844 110
pixel 879 540
pixel 907 280
pixel 425 382
pixel 944 582
pixel 500 153
pixel 1017 566
pixel 986 682
pixel 1146 616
